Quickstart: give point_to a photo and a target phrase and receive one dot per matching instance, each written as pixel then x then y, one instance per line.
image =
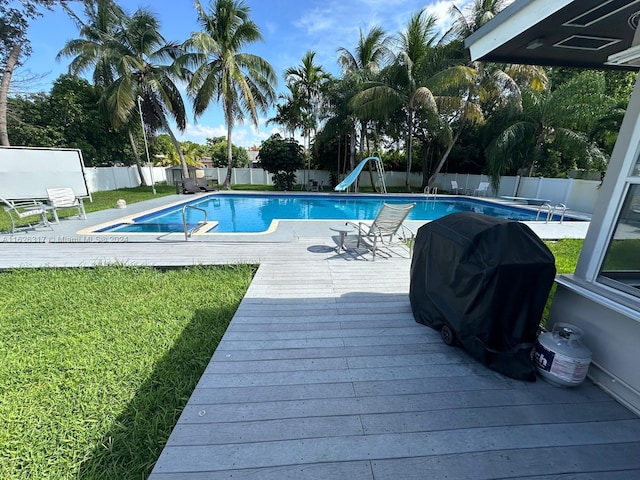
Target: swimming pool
pixel 255 213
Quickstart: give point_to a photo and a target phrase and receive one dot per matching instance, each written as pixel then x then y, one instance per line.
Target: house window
pixel 636 169
pixel 621 266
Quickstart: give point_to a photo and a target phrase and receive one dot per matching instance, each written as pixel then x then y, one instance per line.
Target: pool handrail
pixel 188 233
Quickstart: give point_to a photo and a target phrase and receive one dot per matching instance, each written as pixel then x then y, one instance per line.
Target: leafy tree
pixel 243 82
pixel 28 123
pixel 161 146
pixel 281 157
pixel 193 152
pixel 216 148
pixel 69 116
pixel 332 146
pixel 14 21
pixel 74 106
pixel 308 80
pixel 550 135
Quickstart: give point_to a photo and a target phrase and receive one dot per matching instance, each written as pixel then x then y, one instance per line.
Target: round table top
pixel 342 228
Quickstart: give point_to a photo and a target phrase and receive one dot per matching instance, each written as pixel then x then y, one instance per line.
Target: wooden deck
pixel 323 374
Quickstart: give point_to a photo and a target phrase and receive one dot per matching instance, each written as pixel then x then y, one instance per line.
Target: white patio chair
pixel 483 189
pixel 455 188
pixel 60 198
pixel 387 229
pixel 25 209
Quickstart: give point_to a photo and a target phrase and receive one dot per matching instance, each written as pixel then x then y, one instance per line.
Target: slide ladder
pixel 353 175
pixel 380 169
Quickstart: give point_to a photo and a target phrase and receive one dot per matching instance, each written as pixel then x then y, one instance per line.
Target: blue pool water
pixel 254 213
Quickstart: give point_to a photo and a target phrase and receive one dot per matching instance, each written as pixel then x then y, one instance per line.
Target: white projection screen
pixel 27 172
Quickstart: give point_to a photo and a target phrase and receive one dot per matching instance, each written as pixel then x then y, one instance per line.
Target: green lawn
pixel 566 252
pixel 98 363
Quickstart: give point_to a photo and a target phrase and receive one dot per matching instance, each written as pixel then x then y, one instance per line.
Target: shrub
pixel 281 157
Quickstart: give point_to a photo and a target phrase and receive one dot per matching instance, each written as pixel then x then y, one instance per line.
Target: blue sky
pixel 289 27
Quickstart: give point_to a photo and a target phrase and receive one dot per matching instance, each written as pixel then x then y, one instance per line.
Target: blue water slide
pixel 353 175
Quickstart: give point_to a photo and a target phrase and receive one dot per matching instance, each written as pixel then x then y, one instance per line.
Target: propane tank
pixel 560 357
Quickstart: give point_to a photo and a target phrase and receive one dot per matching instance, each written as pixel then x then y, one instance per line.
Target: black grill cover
pixel 488 279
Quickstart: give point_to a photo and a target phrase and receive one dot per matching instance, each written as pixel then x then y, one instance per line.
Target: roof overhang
pixel 574 33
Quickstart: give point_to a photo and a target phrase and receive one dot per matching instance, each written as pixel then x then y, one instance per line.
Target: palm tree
pixel 146 70
pixel 372 53
pixel 98 33
pixel 290 113
pixel 499 83
pixel 309 79
pixel 94 50
pixel 128 55
pixel 242 82
pixel 475 15
pixel 552 128
pixel 409 84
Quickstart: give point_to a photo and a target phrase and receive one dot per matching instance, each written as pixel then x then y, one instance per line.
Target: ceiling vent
pixel 631 56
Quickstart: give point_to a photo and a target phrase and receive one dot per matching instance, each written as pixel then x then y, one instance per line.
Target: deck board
pixel 323 374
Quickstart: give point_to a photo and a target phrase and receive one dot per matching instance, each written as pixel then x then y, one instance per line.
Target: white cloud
pixel 439 9
pixel 199 133
pixel 316 21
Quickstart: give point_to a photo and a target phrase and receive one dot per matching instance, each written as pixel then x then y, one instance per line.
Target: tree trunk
pixel 425 164
pixel 132 142
pixel 434 175
pixel 226 185
pixel 463 119
pixel 364 155
pixel 12 60
pixel 407 185
pixel 352 149
pixel 344 163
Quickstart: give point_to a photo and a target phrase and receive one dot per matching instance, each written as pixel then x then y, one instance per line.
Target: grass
pixel 97 364
pixel 566 252
pixel 108 199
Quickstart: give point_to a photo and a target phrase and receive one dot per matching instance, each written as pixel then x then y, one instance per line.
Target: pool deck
pixel 324 374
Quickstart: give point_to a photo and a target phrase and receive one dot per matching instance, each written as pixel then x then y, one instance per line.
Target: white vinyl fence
pixel 100 179
pixel 579 195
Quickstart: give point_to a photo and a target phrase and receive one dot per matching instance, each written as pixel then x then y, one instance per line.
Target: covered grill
pixel 483 282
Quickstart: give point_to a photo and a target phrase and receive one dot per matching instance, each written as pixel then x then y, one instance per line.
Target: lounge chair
pixel 483 189
pixel 189 186
pixel 25 209
pixel 61 198
pixel 204 185
pixel 387 229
